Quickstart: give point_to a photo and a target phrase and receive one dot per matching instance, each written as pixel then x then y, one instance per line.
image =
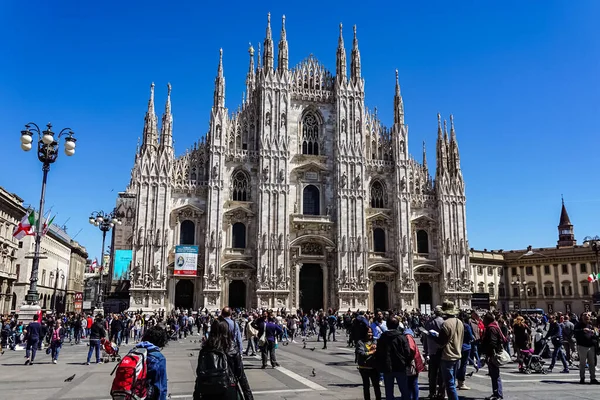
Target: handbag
pixel 501 358
pixel 262 340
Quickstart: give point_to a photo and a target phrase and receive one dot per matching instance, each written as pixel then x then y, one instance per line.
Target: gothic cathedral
pixel 299 199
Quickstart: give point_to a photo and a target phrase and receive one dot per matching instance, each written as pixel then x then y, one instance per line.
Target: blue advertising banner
pixel 122 265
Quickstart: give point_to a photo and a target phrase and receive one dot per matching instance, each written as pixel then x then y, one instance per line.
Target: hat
pixel 448 308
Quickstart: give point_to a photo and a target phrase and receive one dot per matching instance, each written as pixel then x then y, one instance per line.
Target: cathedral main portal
pixel 311 287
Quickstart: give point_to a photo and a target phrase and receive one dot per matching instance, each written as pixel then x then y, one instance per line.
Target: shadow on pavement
pixel 342 363
pixel 346 385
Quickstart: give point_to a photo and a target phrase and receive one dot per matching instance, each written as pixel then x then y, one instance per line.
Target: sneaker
pixel 582 381
pixel 463 387
pixel 87 363
pixel 565 371
pixel 54 362
pixel 27 362
pixel 594 382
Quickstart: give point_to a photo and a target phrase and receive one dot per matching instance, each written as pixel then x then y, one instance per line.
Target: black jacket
pixel 392 352
pixel 584 339
pixel 97 331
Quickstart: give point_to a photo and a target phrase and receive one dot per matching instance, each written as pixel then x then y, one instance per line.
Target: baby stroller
pixel 541 347
pixel 533 362
pixel 110 351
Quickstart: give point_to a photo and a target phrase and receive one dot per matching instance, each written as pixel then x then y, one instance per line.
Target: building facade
pixel 551 278
pixel 299 198
pixel 75 278
pixel 11 212
pixel 487 271
pixel 54 269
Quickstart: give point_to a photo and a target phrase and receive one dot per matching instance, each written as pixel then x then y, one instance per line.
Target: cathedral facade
pixel 301 198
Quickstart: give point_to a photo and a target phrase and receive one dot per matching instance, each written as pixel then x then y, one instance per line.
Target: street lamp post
pixel 61 273
pixel 105 222
pixel 47 152
pixel 593 242
pixel 519 284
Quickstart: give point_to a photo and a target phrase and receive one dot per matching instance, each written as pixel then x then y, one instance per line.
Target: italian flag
pixel 25 227
pixel 47 224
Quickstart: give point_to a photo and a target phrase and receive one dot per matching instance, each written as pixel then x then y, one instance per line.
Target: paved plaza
pixel 336 376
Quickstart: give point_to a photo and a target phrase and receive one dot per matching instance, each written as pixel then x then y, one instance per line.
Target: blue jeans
pixel 32 346
pixel 462 368
pixel 55 347
pixel 412 383
pixel 401 381
pixel 474 354
pixel 496 380
pixel 558 353
pixel 449 370
pixel 94 345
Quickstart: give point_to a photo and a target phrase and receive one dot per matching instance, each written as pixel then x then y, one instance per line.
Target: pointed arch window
pixel 378 240
pixel 187 232
pixel 238 236
pixel 310 135
pixel 311 204
pixel 422 242
pixel 241 187
pixel 377 195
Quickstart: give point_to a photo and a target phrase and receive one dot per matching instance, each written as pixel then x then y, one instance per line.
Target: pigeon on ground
pixel 191 354
pixel 190 341
pixel 313 373
pixel 470 374
pixel 69 379
pixel 304 345
pixel 312 349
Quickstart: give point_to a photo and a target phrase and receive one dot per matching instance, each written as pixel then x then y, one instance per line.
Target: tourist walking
pixel 220 372
pixel 468 342
pixel 493 343
pixel 434 352
pixel 414 366
pixel 586 347
pixel 97 332
pixel 57 339
pixel 33 334
pixel 365 356
pixel 555 334
pixel 392 357
pixel 451 340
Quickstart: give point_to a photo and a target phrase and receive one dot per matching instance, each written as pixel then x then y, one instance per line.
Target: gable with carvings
pixel 238 214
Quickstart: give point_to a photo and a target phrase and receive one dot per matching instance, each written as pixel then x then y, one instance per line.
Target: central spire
pixel 340 65
pixel 398 104
pixel 150 123
pixel 268 54
pixel 166 134
pixel 355 63
pixel 219 94
pixel 282 54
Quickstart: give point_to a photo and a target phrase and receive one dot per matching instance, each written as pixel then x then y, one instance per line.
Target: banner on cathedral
pixel 186 260
pixel 122 265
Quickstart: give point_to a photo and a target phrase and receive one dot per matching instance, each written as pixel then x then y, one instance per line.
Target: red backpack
pixel 129 382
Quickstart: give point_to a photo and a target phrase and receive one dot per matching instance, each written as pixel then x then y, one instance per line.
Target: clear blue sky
pixel 521 79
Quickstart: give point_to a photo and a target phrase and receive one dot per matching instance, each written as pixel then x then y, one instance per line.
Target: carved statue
pixel 273 244
pixel 357 181
pixel 343 276
pixel 263 275
pixel 157 273
pixel 212 239
pixel 360 274
pixel 215 170
pixel 211 273
pixel 265 173
pixel 295 207
pixel 281 176
pixel 158 238
pixel 402 183
pixel 220 241
pixel 280 243
pixel 344 243
pixel 462 247
pixel 448 247
pixel 147 280
pixel 141 236
pixel 344 180
pixel 166 239
pixel 328 210
pixel 358 245
pixel 351 243
pixel 280 278
pixel 264 241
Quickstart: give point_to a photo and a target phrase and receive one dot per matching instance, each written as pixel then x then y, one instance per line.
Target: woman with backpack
pixel 220 372
pixel 56 340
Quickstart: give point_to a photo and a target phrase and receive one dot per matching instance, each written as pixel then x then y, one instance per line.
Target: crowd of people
pixel 385 342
